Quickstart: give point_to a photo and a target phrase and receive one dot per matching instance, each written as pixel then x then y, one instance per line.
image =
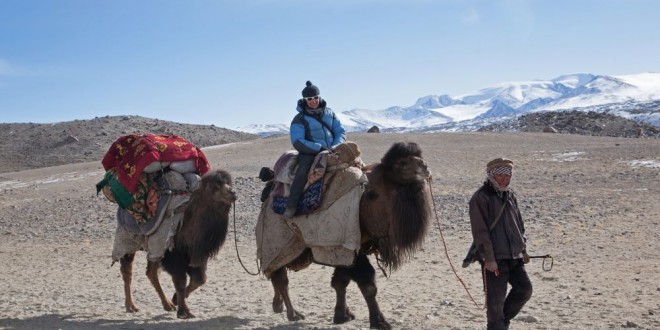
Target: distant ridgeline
pixel 44 145
pixel 576 122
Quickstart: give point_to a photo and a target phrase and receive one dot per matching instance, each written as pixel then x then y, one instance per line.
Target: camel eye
pixel 403 164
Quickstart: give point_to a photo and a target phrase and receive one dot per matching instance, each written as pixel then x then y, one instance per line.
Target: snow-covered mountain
pixel 631 96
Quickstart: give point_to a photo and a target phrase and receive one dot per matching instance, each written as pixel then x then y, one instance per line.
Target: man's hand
pixel 525 257
pixel 491 266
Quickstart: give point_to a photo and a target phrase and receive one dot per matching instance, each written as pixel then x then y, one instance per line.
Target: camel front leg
pixel 197 279
pixel 364 275
pixel 126 268
pixel 278 303
pixel 152 275
pixel 179 281
pixel 340 280
pixel 280 282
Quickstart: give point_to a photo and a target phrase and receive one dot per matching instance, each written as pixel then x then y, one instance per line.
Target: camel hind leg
pixel 126 268
pixel 280 282
pixel 152 275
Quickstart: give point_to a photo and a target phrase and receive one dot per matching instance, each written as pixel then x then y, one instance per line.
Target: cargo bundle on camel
pixel 166 209
pixel 382 209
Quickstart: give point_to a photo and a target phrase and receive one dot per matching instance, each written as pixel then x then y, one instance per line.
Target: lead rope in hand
pixel 442 236
pixel 236 246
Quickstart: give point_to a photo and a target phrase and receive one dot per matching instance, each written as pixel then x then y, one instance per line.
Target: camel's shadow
pixel 56 321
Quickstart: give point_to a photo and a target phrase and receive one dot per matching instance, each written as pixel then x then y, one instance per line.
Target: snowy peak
pixel 626 95
pixel 415 116
pixel 574 80
pixel 510 99
pixel 434 101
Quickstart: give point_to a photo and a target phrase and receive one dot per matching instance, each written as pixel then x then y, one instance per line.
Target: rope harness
pixel 236 247
pixel 442 236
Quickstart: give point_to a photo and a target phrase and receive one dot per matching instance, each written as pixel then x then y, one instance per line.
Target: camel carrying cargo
pixel 383 209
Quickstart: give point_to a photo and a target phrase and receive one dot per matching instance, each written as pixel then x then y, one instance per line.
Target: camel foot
pixel 343 316
pixel 295 316
pixel 169 306
pixel 278 305
pixel 378 322
pixel 184 314
pixel 132 308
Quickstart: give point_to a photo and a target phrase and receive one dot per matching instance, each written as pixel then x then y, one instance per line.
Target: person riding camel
pixel 315 128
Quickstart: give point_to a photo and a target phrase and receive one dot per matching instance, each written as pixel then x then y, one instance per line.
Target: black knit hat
pixel 310 90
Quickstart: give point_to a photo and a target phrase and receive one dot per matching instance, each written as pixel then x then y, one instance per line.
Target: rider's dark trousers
pixel 305 162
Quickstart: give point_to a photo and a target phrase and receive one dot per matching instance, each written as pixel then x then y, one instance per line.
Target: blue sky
pixel 235 63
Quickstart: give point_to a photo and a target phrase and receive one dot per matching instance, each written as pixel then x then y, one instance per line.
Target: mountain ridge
pixel 506 101
pixel 29 145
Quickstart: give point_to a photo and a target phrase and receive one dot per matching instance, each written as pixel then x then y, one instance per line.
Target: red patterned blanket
pixel 130 154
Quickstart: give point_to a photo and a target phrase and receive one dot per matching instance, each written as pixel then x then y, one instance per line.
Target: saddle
pixel 156 235
pixel 172 183
pixel 343 156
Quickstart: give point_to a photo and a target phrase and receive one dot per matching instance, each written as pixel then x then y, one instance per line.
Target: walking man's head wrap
pixel 498 166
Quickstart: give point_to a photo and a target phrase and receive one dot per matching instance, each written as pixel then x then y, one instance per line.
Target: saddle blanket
pixel 155 244
pixel 284 172
pixel 332 232
pixel 154 236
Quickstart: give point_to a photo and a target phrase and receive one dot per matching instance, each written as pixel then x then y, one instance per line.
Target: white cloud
pixel 519 17
pixel 10 70
pixel 7 69
pixel 470 16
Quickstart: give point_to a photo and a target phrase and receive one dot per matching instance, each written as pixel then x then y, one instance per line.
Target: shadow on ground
pixel 66 322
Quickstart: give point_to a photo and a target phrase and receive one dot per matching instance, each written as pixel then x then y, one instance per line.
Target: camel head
pixel 403 164
pixel 216 187
pixel 206 218
pixel 396 203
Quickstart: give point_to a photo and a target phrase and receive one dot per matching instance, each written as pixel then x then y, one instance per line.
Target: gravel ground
pixel 590 202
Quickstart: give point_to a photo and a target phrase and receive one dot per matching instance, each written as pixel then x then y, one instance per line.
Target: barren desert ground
pixel 593 203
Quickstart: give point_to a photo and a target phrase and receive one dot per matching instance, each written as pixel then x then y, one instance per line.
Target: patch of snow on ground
pixel 71 176
pixel 567 156
pixel 644 163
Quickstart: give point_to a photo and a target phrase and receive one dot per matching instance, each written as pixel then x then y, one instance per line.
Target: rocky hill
pixel 28 145
pixel 576 122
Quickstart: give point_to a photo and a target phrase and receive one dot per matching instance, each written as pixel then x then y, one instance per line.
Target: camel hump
pixel 172 183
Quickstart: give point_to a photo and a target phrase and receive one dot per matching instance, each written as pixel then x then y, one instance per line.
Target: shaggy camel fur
pixel 201 234
pixel 394 218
